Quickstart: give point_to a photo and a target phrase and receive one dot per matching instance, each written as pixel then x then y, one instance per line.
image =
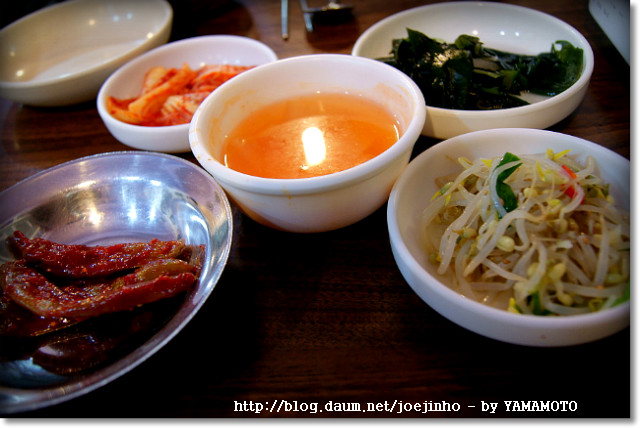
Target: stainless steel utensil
pixel 284 17
pixel 333 10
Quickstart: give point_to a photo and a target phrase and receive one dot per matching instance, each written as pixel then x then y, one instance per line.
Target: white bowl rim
pixel 297 186
pixel 92 69
pixel 183 127
pixel 583 80
pixel 466 304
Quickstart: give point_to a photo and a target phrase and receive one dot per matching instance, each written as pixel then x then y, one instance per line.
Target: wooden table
pixel 326 319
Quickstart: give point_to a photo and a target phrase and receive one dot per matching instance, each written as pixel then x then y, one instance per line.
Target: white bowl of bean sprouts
pixel 517 248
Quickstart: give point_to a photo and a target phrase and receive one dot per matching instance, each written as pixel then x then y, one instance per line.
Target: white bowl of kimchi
pixel 540 269
pixel 148 103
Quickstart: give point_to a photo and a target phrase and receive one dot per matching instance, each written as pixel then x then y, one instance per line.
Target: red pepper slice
pixel 570 190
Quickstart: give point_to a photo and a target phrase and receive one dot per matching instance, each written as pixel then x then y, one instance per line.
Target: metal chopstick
pixel 284 17
pixel 307 15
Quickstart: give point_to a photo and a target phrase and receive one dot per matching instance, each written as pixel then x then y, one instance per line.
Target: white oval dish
pixel 411 195
pixel 60 55
pixel 500 26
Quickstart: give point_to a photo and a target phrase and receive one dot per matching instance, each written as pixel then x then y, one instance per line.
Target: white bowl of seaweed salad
pixel 494 65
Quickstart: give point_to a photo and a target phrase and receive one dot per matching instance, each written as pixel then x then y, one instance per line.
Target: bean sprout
pixel 564 248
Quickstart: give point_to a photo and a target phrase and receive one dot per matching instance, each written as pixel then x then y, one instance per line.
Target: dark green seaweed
pixel 466 75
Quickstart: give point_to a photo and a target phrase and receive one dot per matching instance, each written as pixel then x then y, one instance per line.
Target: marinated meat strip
pixel 157 280
pixel 82 261
pixel 52 286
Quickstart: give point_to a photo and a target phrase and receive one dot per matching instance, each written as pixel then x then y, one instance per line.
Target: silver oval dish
pixel 100 200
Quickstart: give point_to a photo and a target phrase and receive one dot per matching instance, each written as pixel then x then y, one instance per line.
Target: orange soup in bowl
pixel 309 136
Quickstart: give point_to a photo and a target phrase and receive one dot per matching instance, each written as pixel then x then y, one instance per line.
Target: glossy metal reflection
pixel 99 200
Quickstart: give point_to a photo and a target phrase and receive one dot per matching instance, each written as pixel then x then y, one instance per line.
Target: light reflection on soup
pixel 309 136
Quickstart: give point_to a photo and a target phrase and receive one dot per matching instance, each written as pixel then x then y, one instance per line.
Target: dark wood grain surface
pixel 327 319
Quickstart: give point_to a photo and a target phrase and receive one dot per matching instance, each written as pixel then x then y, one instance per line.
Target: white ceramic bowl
pixel 412 193
pixel 60 55
pixel 107 199
pixel 126 82
pixel 321 203
pixel 501 26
